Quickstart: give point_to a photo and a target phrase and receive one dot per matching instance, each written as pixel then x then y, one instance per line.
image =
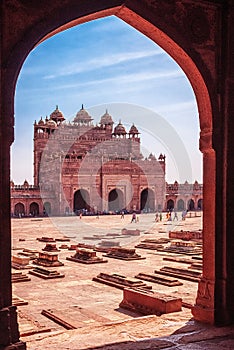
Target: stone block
pixel 148 303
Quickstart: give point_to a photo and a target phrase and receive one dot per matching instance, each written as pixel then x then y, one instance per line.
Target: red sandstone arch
pixel 147 202
pixel 81 200
pixel 115 200
pixel 180 204
pixel 163 32
pixel 19 209
pixel 34 209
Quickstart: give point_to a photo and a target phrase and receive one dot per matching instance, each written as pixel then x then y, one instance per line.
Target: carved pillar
pixel 204 309
pixel 9 334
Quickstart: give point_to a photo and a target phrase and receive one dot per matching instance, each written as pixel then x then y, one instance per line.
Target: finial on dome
pixel 56 107
pixel 82 106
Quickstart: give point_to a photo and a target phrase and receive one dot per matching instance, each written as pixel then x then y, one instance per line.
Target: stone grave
pixel 120 282
pixel 124 254
pixel 86 256
pixel 148 303
pixel 48 259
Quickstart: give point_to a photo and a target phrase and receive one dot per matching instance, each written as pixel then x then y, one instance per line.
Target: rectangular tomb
pixel 127 232
pixel 45 274
pixel 148 303
pixel 124 254
pixel 20 262
pixel 48 259
pixel 46 239
pixel 120 282
pixel 160 279
pixel 86 256
pixel 186 235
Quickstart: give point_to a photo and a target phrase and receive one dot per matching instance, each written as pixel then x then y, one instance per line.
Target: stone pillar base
pixel 9 333
pixel 16 346
pixel 203 310
pixel 203 314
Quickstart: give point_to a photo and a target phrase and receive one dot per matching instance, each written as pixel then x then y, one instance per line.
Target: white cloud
pixel 101 62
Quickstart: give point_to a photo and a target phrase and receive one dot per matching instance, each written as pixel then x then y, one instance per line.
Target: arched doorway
pixel 180 204
pixel 191 205
pixel 19 209
pixel 47 208
pixel 81 201
pixel 115 200
pixel 200 204
pixel 34 209
pixel 183 45
pixel 170 204
pixel 147 200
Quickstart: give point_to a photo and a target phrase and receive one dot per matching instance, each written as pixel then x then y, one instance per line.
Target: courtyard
pixel 92 307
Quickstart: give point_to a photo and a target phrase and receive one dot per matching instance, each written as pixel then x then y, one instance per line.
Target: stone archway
pixel 19 209
pixel 170 204
pixel 81 200
pixel 47 208
pixel 190 33
pixel 180 204
pixel 34 209
pixel 200 204
pixel 115 200
pixel 191 204
pixel 147 200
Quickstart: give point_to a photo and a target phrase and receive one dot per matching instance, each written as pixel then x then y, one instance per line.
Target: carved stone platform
pixel 160 279
pixel 186 235
pixel 121 282
pixel 86 256
pixel 48 259
pixel 127 232
pixel 124 254
pixel 46 274
pixel 105 246
pixel 17 277
pixel 46 239
pixel 189 275
pixel 50 247
pixel 20 262
pixel 148 303
pixel 63 239
pixel 183 247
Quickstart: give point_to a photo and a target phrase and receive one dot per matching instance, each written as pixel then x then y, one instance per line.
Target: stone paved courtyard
pixel 94 307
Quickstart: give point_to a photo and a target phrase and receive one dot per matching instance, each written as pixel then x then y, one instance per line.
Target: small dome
pixel 106 119
pixel 82 116
pixel 151 157
pixel 120 129
pixel 41 122
pixel 51 123
pixel 133 130
pixel 25 184
pixel 57 115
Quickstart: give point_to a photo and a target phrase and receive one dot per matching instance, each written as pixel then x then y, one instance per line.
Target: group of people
pixel 169 214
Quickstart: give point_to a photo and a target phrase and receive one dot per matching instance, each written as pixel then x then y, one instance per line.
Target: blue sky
pixel 107 64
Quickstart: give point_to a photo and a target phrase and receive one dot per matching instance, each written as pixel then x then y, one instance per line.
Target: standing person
pixel 133 217
pixel 175 216
pixel 160 216
pixel 169 216
pixel 122 214
pixel 156 217
pixel 184 212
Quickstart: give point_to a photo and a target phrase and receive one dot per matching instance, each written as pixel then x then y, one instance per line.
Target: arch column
pixel 9 333
pixel 204 309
